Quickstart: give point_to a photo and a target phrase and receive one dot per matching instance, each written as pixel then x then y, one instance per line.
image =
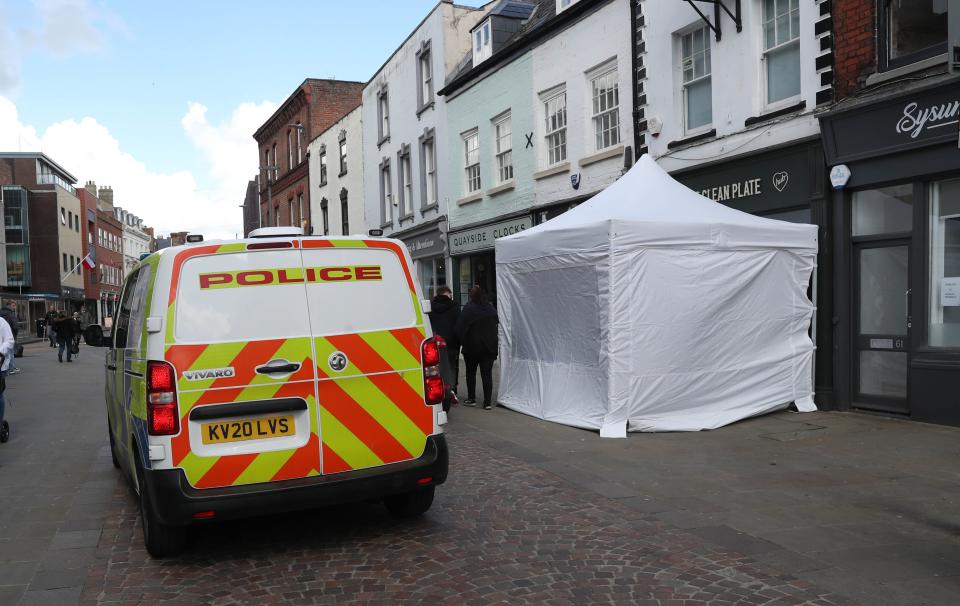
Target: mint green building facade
pixel 500 206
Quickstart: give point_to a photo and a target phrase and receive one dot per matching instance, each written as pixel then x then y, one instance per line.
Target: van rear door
pixel 238 336
pixel 368 330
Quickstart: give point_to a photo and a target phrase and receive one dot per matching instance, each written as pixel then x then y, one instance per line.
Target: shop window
pixel 911 30
pixel 781 49
pixel 945 264
pixel 888 210
pixel 433 275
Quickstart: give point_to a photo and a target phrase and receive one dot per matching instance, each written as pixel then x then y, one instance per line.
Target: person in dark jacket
pixel 66 330
pixel 443 319
pixel 477 333
pixel 51 320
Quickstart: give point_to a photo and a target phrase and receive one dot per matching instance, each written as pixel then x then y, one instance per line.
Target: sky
pixel 160 100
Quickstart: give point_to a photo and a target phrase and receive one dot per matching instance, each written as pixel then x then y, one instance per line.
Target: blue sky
pixel 134 67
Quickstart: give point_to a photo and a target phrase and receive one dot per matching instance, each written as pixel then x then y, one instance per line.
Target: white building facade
pixel 730 110
pixel 136 241
pixel 336 176
pixel 405 139
pixel 582 107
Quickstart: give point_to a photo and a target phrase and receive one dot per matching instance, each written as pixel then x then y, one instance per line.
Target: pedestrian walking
pixel 6 356
pixel 66 330
pixel 77 332
pixel 51 318
pixel 444 312
pixel 9 313
pixel 477 334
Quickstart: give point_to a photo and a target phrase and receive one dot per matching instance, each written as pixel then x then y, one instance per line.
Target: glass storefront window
pixel 433 275
pixel 944 328
pixel 888 210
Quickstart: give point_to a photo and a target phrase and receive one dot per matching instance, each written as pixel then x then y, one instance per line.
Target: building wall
pixel 70 240
pixel 352 181
pixel 738 84
pixel 508 88
pixel 45 260
pixel 599 38
pixel 316 104
pixel 447 31
pixel 135 243
pixel 855 54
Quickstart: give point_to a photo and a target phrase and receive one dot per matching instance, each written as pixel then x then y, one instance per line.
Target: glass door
pixel 883 325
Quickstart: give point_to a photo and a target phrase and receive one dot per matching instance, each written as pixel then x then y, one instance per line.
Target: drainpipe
pixel 635 70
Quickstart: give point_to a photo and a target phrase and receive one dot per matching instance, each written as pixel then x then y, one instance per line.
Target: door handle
pixel 111 367
pixel 906 307
pixel 278 367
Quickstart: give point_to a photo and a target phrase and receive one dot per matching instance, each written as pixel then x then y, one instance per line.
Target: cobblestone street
pixel 500 532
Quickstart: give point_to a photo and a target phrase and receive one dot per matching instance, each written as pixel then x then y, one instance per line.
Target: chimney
pixel 91 187
pixel 106 196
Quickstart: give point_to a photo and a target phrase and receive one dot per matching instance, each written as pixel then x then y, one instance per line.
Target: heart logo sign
pixel 780 180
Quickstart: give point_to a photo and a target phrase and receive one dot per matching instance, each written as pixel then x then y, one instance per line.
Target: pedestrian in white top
pixel 7 344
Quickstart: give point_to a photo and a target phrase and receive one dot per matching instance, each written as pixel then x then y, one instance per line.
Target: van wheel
pixel 113 447
pixel 410 504
pixel 160 539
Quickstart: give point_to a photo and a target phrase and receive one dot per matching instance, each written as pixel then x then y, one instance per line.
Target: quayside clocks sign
pixel 909 121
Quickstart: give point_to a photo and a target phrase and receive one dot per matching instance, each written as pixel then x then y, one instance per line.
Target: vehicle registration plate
pixel 249 429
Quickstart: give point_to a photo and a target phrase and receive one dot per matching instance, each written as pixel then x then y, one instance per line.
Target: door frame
pixel 868 401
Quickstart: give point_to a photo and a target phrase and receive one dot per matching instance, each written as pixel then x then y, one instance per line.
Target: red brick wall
pixel 854 40
pixel 317 104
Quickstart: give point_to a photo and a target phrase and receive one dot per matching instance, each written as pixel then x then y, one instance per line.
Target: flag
pixel 89 262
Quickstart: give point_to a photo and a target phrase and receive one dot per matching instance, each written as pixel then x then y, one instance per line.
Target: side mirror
pixel 93 336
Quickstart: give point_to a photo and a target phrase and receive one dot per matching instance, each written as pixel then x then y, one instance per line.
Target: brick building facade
pixel 282 147
pixel 103 239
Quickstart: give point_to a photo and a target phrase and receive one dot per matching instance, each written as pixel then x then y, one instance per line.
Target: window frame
pixel 325 216
pixel 884 62
pixel 342 148
pixel 322 157
pixel 546 98
pixel 685 85
pixel 482 41
pixel 290 149
pixel 344 212
pixel 608 69
pixel 471 171
pixel 386 194
pixel 499 154
pixel 425 88
pixel 299 130
pixel 383 115
pixel 428 169
pixel 765 54
pixel 405 183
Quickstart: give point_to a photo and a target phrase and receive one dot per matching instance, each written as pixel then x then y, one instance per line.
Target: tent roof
pixel 646 206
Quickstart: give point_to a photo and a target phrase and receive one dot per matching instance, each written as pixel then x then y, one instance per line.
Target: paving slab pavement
pixel 865 506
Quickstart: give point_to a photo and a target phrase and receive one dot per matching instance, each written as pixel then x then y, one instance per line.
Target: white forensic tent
pixel 652 308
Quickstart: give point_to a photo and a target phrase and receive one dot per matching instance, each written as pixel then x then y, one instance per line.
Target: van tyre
pixel 160 539
pixel 4 432
pixel 410 504
pixel 113 447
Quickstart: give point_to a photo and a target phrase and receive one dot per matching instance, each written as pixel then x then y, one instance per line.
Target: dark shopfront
pixel 897 251
pixel 472 251
pixel 426 246
pixel 786 183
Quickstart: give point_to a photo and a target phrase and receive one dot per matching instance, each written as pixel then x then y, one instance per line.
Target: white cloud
pixel 61 27
pixel 167 201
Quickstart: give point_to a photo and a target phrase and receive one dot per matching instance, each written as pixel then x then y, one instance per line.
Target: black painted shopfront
pixel 788 183
pixel 897 252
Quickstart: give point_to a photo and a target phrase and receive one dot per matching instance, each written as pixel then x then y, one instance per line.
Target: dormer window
pixel 482 42
pixel 565 4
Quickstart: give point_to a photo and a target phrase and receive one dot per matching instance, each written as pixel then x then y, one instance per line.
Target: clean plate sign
pixel 482 238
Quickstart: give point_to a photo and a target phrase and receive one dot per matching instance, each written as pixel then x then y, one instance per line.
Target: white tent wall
pixel 705 337
pixel 652 308
pixel 554 334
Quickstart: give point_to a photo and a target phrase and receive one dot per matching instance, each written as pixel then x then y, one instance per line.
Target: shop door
pixel 484 275
pixel 882 326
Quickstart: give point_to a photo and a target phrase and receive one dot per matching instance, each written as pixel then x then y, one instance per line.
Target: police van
pixel 270 374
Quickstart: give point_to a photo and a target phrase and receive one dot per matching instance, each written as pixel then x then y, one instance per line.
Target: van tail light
pixel 433 386
pixel 163 415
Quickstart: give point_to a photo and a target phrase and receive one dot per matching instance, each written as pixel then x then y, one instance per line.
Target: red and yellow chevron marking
pixel 372 412
pixel 243 357
pixel 233 470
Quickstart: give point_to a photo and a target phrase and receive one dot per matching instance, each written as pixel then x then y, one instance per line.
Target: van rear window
pixel 227 297
pixel 380 300
pixel 279 294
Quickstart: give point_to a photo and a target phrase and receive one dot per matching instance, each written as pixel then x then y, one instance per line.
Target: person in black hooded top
pixel 444 312
pixel 477 333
